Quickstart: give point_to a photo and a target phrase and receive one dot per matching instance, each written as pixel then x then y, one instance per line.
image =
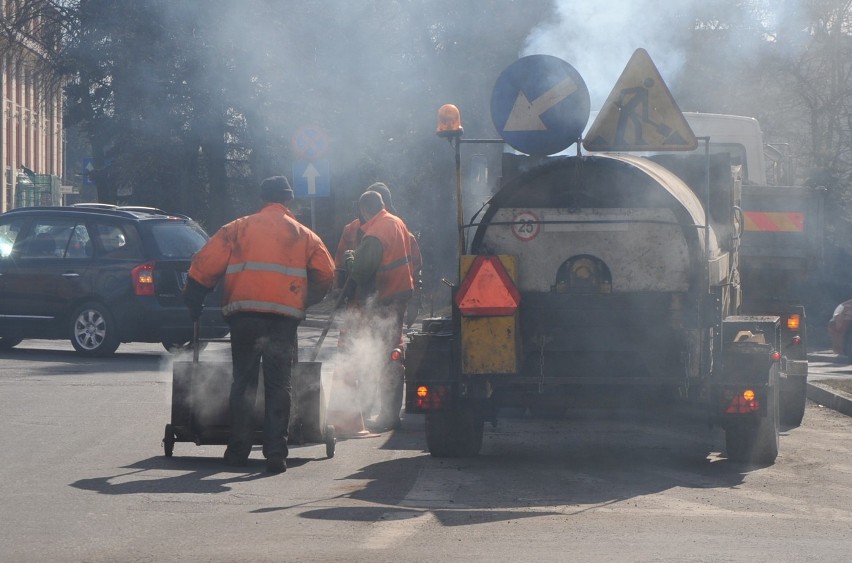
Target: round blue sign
pixel 540 105
pixel 310 142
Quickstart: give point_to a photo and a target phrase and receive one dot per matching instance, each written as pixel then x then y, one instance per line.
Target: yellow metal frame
pixel 490 344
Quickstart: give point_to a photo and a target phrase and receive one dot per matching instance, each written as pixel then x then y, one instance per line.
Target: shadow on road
pixel 200 475
pixel 555 467
pixel 66 362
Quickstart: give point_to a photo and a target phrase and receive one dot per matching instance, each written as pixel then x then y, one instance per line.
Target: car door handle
pixel 70 275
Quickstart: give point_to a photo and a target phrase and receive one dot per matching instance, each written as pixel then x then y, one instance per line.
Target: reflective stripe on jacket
pixel 269 262
pixel 393 278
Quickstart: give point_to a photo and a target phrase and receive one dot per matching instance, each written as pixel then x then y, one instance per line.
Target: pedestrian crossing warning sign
pixel 640 114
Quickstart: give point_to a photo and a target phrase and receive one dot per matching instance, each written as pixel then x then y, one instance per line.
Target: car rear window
pixel 178 239
pixel 8 234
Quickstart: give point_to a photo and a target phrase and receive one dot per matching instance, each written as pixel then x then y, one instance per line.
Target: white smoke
pixel 363 354
pixel 598 38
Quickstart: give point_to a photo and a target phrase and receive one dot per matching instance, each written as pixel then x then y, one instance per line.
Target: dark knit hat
pixel 384 191
pixel 276 189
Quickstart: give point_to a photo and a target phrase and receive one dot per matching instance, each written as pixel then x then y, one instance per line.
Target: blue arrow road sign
pixel 310 178
pixel 540 105
pixel 86 166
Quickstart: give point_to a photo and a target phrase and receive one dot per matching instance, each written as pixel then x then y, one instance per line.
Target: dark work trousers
pixel 393 314
pixel 270 339
pixel 390 318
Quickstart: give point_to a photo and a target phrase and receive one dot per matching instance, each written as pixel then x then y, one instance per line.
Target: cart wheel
pixel 297 434
pixel 169 441
pixel 330 441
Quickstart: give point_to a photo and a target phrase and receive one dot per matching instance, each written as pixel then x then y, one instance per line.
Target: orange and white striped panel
pixel 787 222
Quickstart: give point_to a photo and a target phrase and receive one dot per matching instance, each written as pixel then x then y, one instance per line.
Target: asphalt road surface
pixel 83 478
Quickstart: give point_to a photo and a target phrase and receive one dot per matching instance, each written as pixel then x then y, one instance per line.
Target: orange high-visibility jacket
pixel 416 257
pixel 394 277
pixel 350 238
pixel 269 262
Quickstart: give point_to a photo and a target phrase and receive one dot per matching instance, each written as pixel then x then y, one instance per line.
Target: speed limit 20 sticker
pixel 526 225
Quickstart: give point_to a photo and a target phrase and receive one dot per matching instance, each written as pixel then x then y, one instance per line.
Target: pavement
pixel 823 394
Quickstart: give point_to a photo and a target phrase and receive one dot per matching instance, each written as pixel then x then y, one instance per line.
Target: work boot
pixel 235 460
pixel 276 465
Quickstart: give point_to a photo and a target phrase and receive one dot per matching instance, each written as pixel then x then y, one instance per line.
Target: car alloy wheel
pixel 93 330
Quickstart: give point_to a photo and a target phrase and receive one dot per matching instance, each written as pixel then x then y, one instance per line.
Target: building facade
pixel 31 139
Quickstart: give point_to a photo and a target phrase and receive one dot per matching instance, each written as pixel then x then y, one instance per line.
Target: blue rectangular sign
pixel 86 166
pixel 311 179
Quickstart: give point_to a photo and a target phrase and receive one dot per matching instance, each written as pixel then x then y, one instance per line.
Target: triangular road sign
pixel 487 290
pixel 640 114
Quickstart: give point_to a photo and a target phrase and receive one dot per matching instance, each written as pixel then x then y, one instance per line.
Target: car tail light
pixel 396 355
pixel 143 278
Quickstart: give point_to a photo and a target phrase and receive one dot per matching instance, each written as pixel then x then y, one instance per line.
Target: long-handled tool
pixel 330 320
pixel 348 424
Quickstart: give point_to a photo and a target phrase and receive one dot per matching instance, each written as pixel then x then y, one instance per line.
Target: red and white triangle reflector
pixel 487 290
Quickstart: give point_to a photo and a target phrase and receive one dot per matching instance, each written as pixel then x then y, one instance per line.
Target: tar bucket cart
pixel 200 392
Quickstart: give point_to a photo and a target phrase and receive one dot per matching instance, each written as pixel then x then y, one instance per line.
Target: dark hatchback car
pixel 99 275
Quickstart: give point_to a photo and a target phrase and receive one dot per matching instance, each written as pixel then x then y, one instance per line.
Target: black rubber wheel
pixel 7 343
pixel 794 397
pixel 755 440
pixel 179 347
pixel 455 433
pixel 330 441
pixel 297 434
pixel 93 330
pixel 169 441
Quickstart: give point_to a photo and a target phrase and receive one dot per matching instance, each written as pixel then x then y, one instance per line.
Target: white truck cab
pixel 733 134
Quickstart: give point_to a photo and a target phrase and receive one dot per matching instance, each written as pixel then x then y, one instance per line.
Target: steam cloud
pixel 598 38
pixel 362 358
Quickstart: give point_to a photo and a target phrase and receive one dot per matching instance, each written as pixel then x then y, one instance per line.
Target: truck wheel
pixel 755 441
pixel 454 434
pixel 794 397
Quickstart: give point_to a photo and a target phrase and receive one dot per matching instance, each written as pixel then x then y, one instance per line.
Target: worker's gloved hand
pixel 195 311
pixel 349 259
pixel 193 298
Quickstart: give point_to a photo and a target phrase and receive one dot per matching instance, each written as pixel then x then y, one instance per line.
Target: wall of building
pixel 31 121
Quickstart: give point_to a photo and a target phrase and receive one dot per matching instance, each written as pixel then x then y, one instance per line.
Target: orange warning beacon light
pixel 449 121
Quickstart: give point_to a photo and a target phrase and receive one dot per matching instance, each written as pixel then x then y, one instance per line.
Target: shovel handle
pixel 196 330
pixel 330 320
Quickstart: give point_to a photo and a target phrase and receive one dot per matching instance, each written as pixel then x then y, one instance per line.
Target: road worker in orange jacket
pixel 381 268
pixel 349 239
pixel 352 234
pixel 272 268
